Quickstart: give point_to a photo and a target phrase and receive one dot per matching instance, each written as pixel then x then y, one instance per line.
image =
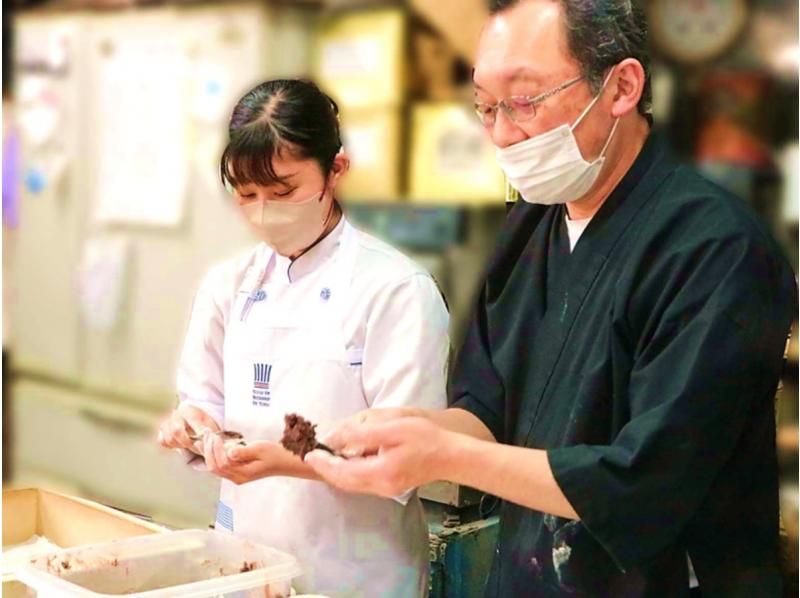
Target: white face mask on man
pixel 549 168
pixel 289 227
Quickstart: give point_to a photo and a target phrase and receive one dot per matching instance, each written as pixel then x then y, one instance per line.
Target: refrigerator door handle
pixel 116 424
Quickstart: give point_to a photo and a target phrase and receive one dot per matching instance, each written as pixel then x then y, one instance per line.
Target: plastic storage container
pixel 183 564
pixel 63 520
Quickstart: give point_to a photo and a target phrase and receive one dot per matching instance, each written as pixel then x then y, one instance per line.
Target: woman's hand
pixel 242 464
pixel 175 429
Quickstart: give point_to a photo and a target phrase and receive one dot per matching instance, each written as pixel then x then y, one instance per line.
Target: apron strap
pixel 254 279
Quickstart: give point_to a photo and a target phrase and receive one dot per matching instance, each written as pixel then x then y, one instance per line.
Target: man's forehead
pixel 510 72
pixel 524 42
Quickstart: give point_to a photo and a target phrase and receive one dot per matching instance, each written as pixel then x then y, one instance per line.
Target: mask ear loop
pixel 589 107
pixel 593 102
pixel 610 136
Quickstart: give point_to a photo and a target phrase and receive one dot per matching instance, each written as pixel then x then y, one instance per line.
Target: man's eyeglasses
pixel 517 108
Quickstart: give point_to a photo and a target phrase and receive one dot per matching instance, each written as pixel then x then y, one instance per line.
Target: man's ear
pixel 628 85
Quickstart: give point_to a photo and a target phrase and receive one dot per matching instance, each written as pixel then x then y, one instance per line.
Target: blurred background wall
pixel 114 117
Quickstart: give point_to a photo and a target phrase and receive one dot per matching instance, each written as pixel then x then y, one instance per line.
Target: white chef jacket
pixel 396 329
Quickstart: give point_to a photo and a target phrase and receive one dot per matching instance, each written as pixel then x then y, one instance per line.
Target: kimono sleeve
pixel 474 384
pixel 712 318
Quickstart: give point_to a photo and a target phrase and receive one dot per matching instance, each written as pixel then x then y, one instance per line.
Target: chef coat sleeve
pixel 474 384
pixel 200 370
pixel 710 320
pixel 406 346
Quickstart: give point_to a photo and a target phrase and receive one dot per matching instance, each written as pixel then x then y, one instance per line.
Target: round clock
pixel 695 31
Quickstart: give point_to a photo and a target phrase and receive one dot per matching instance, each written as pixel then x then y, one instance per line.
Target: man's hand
pixel 242 464
pixel 395 452
pixel 174 430
pixel 341 433
pixel 390 451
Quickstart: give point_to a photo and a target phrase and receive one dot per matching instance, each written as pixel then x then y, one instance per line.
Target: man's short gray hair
pixel 600 34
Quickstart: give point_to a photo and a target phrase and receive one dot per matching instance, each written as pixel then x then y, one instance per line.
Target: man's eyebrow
pixel 522 72
pixel 525 72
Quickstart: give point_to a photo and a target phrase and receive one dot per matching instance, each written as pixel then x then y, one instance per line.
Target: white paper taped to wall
pixel 141 153
pixel 39 110
pixel 347 58
pixel 363 144
pixel 103 281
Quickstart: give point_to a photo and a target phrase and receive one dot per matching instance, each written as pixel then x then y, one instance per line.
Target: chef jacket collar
pixel 312 259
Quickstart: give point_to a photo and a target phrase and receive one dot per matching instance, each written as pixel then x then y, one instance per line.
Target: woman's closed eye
pixel 286 193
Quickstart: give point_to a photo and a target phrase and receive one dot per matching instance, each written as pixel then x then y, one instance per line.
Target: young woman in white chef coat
pixel 319 319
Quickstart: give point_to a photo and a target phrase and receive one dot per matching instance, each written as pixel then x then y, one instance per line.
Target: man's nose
pixel 505 132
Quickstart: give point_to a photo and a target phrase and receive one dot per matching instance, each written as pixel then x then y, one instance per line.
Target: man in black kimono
pixel 616 387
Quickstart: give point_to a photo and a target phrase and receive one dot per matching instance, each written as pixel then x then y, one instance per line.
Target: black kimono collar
pixel 647 172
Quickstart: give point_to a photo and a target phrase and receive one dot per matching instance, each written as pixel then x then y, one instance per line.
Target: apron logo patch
pixel 325 294
pixel 261 392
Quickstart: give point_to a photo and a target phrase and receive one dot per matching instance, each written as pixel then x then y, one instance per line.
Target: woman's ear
pixel 341 164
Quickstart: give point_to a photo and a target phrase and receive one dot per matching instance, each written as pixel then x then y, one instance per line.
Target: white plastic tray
pixel 183 564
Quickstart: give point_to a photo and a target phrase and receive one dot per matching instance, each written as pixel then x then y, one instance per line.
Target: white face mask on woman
pixel 289 227
pixel 549 168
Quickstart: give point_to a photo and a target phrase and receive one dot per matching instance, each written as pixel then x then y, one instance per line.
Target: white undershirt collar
pixel 575 229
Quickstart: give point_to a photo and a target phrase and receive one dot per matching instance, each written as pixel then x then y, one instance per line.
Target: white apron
pixel 281 359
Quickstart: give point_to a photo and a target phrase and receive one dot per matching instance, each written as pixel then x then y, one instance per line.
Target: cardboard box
pixel 360 58
pixel 373 141
pixel 65 521
pixel 452 159
pixel 436 65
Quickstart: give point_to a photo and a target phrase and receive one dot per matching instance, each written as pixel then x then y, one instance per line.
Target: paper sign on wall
pixel 103 281
pixel 141 152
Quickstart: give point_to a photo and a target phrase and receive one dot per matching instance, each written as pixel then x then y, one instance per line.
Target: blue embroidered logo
pixel 261 376
pixel 325 294
pixel 260 295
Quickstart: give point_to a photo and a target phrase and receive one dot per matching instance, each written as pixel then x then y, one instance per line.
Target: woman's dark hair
pixel 283 115
pixel 600 34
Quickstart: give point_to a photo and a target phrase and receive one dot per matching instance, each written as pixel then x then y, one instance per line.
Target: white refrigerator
pixel 122 117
